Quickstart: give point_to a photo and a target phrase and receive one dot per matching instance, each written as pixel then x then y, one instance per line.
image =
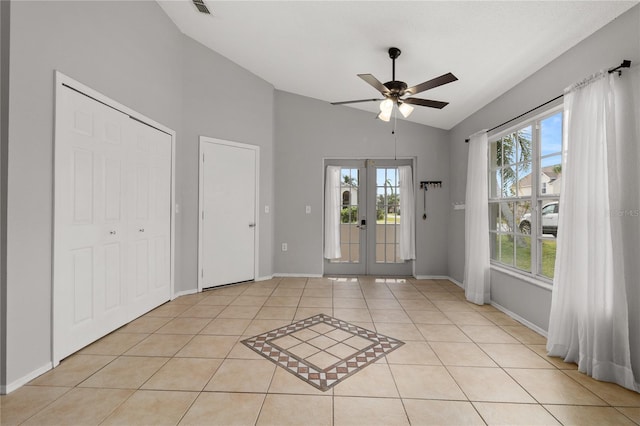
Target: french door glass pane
pixel 349 232
pixel 387 215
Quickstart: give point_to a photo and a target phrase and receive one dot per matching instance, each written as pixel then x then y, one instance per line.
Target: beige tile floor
pixel 183 363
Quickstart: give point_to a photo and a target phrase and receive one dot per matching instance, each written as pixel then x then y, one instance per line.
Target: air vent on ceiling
pixel 201 6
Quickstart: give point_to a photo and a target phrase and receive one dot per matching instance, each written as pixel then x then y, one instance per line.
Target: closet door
pixel 149 208
pixel 112 220
pixel 90 224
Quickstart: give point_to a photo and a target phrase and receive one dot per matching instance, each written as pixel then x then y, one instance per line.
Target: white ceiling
pixel 316 48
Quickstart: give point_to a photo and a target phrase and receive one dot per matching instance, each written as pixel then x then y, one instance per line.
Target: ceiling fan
pixel 393 91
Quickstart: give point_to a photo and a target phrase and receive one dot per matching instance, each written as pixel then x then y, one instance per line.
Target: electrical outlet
pixel 284 247
pixel 307 209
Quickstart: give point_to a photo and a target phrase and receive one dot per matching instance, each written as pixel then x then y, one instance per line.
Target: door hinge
pixel 202 273
pixel 202 214
pixel 203 158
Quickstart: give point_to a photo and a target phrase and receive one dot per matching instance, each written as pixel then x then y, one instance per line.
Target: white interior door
pixel 228 194
pixel 112 220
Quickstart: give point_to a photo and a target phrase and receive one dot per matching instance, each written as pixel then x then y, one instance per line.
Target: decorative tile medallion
pixel 322 350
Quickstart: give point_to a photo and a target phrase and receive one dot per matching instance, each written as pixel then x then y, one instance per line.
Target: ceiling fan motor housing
pixel 396 88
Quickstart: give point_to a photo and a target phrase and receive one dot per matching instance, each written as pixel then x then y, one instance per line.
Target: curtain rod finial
pixel 625 64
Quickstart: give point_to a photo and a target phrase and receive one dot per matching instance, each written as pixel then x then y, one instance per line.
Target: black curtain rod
pixel 625 64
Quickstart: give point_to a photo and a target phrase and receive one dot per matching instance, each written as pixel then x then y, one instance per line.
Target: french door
pixel 370 219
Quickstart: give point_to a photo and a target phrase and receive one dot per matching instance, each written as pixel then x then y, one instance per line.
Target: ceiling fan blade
pixel 355 102
pixel 435 82
pixel 369 78
pixel 426 102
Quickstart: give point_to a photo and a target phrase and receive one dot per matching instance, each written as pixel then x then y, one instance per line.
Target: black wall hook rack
pixel 425 184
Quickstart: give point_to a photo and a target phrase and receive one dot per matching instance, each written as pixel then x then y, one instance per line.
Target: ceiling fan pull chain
pixel 395 136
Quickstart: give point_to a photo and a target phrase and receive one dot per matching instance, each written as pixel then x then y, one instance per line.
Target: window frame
pixel 537 198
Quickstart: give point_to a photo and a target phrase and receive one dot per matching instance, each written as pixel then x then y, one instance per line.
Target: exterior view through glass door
pixel 370 219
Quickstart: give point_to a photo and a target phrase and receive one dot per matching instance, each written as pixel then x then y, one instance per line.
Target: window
pixel 525 172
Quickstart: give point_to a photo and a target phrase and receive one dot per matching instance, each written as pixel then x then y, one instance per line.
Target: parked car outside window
pixel 549 220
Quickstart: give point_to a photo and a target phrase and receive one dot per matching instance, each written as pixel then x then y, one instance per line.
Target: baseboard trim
pixel 298 275
pixel 265 278
pixel 439 277
pixel 4 390
pixel 521 320
pixel 185 293
pixel 456 282
pixel 431 277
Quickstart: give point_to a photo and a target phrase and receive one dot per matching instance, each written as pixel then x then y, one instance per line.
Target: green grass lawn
pixel 523 254
pixel 391 219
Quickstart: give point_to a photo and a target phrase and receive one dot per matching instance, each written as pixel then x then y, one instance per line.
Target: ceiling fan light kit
pixel 405 109
pixel 394 90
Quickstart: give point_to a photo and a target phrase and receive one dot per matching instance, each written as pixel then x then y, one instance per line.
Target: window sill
pixel 522 276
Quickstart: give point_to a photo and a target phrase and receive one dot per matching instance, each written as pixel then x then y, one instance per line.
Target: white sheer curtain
pixel 332 213
pixel 407 214
pixel 627 97
pixel 476 220
pixel 589 322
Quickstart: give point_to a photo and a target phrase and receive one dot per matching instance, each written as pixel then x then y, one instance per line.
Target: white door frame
pixel 208 140
pixel 61 81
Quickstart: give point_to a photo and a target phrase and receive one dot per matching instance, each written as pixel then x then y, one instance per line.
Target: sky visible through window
pixel 551 138
pixel 551 141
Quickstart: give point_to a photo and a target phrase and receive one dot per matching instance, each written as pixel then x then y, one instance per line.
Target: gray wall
pixel 307 131
pixel 606 48
pixel 132 53
pixel 221 100
pixel 5 7
pixel 126 52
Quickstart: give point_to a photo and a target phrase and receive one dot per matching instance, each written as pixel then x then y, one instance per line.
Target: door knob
pixel 252 225
pixel 141 230
pixel 112 232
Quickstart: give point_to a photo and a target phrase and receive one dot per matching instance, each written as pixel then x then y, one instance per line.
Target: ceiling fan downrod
pixel 394 52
